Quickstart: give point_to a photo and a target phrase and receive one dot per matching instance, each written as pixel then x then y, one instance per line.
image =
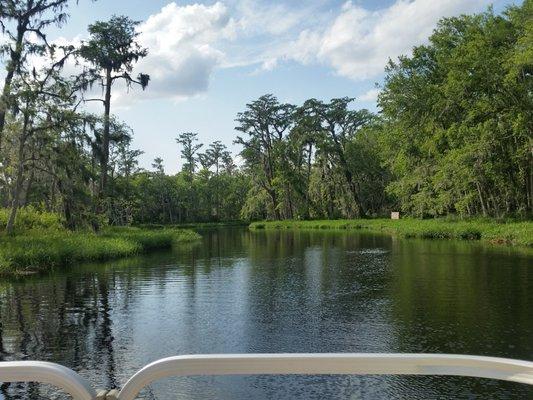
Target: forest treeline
pixel 453 133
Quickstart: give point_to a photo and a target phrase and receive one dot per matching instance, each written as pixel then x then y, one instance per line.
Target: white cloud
pixel 183 52
pixel 265 30
pixel 369 96
pixel 274 19
pixel 359 42
pixel 188 43
pixel 269 64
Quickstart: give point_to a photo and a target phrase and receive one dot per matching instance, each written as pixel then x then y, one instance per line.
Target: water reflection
pixel 246 292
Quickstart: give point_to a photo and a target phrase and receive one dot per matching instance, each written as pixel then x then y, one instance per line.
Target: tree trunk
pixel 27 191
pixel 289 200
pixel 274 199
pixel 10 72
pixel 347 173
pixel 19 180
pixel 483 208
pixel 3 103
pixel 307 195
pixel 355 194
pixel 16 198
pixel 104 158
pixel 217 196
pixel 529 183
pixel 67 205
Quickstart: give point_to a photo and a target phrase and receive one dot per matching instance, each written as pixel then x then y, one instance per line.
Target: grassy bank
pixel 511 233
pixel 195 225
pixel 34 251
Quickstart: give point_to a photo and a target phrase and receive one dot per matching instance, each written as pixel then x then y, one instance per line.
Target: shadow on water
pixel 244 292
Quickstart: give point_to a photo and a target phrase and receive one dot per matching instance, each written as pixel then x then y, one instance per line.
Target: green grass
pixel 35 251
pixel 510 233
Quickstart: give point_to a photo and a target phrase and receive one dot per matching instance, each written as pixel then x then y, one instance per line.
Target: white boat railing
pixel 50 373
pixel 273 364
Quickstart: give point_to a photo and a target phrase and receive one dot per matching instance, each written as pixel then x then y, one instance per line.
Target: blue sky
pixel 208 59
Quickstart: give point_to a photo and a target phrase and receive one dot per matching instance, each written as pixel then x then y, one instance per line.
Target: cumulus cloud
pixel 359 42
pixel 182 43
pixel 183 50
pixel 187 43
pixel 274 19
pixel 369 96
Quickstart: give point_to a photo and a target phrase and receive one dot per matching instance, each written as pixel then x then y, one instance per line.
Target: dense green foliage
pixel 458 118
pixel 453 136
pixel 214 193
pixel 29 218
pixel 514 233
pixel 315 160
pixel 44 250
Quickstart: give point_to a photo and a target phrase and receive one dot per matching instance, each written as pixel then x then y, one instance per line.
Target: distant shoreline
pixel 502 233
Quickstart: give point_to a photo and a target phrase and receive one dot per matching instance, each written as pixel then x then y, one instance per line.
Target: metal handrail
pixel 274 364
pixel 317 364
pixel 50 373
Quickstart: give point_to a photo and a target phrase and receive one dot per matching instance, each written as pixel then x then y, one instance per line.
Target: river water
pixel 253 292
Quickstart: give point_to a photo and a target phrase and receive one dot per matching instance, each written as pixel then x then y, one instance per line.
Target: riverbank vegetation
pixel 512 233
pixel 43 250
pixel 451 137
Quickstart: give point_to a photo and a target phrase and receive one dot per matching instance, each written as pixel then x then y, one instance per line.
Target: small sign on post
pixel 395 215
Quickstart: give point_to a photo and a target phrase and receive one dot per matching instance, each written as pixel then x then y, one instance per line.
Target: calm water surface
pixel 246 292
